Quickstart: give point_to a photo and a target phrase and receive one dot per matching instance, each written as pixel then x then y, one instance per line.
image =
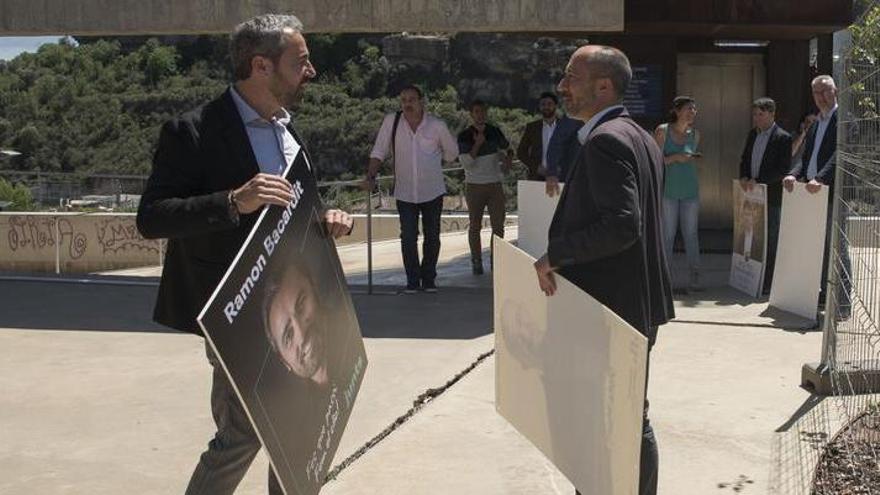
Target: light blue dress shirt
pixel 273 145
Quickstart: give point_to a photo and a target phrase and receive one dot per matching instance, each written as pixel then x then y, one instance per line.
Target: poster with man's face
pixel 283 325
pixel 749 238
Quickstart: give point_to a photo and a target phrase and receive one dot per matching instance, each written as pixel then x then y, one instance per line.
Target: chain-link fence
pixel 832 445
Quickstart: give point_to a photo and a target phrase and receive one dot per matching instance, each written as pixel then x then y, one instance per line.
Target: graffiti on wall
pixel 36 233
pixel 120 235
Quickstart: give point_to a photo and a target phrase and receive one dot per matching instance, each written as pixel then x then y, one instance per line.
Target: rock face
pixel 503 69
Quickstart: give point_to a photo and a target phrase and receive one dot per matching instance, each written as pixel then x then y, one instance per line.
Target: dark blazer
pixel 827 158
pixel 563 148
pixel 774 165
pixel 560 152
pixel 201 156
pixel 531 149
pixel 606 234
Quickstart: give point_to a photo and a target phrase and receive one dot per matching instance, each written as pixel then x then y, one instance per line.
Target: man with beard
pixel 418 144
pixel 548 145
pixel 214 170
pixel 606 236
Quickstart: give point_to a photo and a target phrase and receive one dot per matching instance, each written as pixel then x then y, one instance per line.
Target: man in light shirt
pixel 215 170
pixel 418 144
pixel 817 168
pixel 486 156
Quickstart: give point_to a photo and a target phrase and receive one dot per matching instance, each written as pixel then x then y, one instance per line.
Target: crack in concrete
pixel 802 329
pixel 421 401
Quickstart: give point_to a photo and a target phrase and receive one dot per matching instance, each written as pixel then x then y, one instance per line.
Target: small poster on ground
pixel 284 328
pixel 749 238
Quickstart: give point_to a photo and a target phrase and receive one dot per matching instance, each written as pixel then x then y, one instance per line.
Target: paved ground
pixel 98 400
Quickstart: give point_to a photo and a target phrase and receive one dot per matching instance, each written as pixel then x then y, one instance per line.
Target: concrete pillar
pixel 130 17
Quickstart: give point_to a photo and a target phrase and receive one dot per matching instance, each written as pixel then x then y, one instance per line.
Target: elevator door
pixel 724 86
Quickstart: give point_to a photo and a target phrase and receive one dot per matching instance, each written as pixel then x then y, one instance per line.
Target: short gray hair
pixel 611 63
pixel 264 36
pixel 824 80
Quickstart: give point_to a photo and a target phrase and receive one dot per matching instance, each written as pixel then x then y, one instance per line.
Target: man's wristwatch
pixel 233 206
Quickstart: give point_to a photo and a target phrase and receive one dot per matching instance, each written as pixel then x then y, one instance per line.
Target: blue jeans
pixel 684 213
pixel 426 271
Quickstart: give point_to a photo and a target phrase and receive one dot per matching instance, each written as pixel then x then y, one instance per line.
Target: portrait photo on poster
pixel 749 249
pixel 285 330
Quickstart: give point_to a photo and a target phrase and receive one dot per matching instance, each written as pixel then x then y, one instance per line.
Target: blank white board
pixel 569 376
pixel 798 271
pixel 534 213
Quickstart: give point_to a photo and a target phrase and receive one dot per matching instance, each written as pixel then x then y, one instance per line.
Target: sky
pixel 11 46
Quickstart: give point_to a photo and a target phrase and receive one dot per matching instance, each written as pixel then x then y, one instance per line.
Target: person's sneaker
pixel 411 289
pixel 477 267
pixel 429 287
pixel 695 284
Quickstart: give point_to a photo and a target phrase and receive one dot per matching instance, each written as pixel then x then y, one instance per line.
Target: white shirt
pixel 824 120
pixel 546 133
pixel 759 147
pixel 418 156
pixel 585 131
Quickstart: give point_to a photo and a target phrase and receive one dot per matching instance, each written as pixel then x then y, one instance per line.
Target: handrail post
pixel 57 247
pixel 370 241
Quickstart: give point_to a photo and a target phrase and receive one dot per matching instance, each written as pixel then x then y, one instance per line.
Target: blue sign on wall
pixel 644 97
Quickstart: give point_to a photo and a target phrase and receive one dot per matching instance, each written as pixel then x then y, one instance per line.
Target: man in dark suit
pixel 817 168
pixel 606 234
pixel 545 144
pixel 766 159
pixel 214 170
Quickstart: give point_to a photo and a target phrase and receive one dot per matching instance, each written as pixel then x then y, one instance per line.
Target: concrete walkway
pixel 98 400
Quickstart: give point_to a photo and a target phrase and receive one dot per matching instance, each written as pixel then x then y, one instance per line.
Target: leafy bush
pixel 18 195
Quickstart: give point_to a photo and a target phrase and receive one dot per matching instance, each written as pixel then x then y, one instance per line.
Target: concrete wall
pixel 80 17
pixel 83 243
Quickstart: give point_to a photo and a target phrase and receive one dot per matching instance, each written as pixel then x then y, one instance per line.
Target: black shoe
pixel 429 287
pixel 477 267
pixel 411 289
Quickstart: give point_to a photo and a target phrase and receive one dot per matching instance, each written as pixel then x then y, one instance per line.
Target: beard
pixel 547 114
pixel 289 97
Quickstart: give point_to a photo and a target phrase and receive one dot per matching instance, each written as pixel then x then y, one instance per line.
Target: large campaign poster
pixel 535 211
pixel 284 328
pixel 749 238
pixel 569 376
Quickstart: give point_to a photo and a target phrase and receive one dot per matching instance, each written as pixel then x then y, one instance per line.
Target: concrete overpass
pixel 130 17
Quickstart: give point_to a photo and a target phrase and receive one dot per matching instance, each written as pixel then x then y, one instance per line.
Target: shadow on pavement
pixel 453 313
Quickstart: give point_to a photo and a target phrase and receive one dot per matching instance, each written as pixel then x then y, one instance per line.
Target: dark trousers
pixel 650 458
pixel 774 213
pixel 480 197
pixel 233 447
pixel 426 271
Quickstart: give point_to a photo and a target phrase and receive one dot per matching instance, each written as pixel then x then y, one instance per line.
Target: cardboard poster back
pixel 284 328
pixel 535 212
pixel 749 253
pixel 798 273
pixel 570 376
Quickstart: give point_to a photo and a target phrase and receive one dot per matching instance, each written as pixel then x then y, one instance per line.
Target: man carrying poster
pixel 749 238
pixel 214 171
pixel 606 236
